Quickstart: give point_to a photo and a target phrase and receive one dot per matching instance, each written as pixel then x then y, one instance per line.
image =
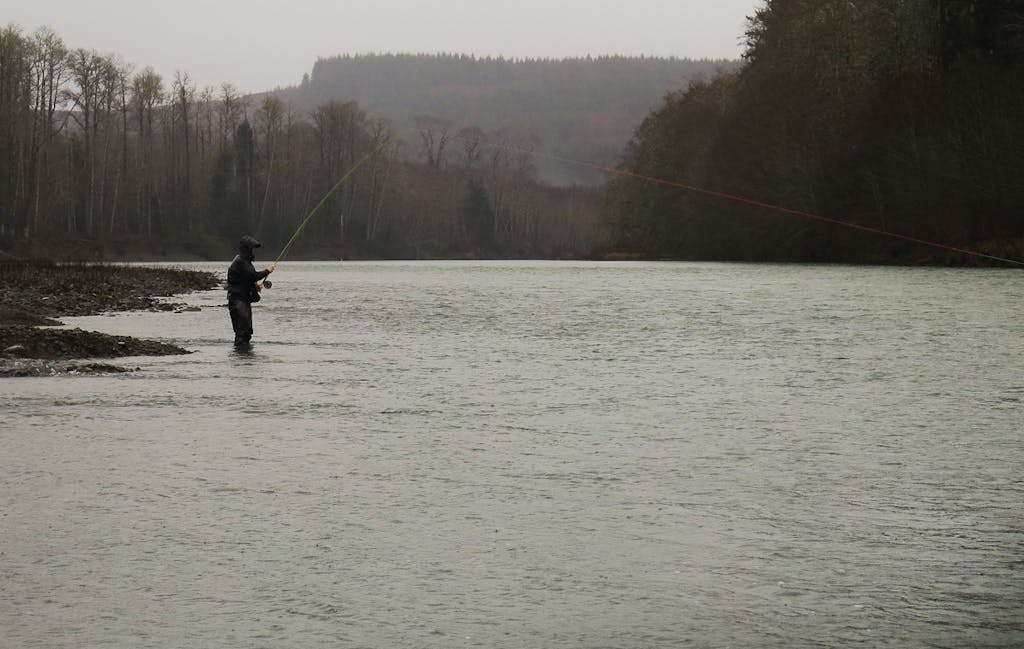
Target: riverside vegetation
pixel 904 117
pixel 99 161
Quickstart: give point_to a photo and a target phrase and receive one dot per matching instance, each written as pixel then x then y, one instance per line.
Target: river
pixel 534 454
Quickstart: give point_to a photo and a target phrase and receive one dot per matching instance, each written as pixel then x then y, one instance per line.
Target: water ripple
pixel 531 455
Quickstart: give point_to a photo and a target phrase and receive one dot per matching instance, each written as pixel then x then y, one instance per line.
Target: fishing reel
pixel 268 284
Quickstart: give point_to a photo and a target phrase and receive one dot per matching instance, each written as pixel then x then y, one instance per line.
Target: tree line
pixel 582 108
pixel 93 150
pixel 905 116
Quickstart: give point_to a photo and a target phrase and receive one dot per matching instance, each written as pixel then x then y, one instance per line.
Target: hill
pixel 903 121
pixel 583 108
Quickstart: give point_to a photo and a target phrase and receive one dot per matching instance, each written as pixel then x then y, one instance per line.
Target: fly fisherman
pixel 243 288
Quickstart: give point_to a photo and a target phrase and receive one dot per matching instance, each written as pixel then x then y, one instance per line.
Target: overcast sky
pixel 259 44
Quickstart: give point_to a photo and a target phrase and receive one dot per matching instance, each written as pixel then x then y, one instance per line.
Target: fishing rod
pixel 305 221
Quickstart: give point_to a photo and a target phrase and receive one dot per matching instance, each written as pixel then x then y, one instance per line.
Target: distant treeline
pixel 581 108
pixel 93 151
pixel 901 115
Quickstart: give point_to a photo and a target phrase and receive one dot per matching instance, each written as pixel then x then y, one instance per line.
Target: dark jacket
pixel 242 275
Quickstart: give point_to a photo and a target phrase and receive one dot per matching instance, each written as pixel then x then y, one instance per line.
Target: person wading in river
pixel 243 288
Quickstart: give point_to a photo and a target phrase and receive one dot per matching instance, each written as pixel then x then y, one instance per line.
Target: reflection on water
pixel 534 454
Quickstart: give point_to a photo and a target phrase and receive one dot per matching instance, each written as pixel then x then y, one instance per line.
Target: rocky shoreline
pixel 36 294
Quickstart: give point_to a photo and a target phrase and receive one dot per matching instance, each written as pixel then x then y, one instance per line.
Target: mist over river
pixel 532 455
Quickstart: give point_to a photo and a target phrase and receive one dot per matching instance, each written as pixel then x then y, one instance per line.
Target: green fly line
pixel 323 200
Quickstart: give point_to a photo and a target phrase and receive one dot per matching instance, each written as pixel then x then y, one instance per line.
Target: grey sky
pixel 259 44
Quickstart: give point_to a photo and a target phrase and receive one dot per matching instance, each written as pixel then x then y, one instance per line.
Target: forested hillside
pixel 905 116
pixel 899 117
pixel 99 159
pixel 584 108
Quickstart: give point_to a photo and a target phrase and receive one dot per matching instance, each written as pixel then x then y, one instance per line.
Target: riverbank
pixel 33 341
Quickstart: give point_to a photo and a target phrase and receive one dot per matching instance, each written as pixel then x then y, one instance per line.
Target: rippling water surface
pixel 534 455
